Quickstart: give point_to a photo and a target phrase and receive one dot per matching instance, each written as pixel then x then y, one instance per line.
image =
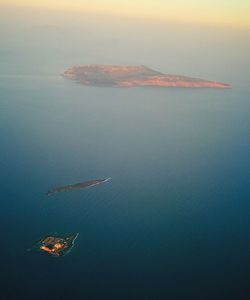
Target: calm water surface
pixel 173 223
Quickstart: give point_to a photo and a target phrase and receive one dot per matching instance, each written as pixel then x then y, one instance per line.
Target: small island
pixel 132 76
pixel 76 186
pixel 56 245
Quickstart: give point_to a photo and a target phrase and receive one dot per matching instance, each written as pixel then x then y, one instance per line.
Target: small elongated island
pixel 76 186
pixel 131 76
pixel 56 245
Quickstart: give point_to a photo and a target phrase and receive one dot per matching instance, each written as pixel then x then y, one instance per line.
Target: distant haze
pixel 233 13
pixel 52 41
pixel 174 221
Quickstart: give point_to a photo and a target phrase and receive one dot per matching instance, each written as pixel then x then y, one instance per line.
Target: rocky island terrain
pixel 56 245
pixel 131 76
pixel 76 186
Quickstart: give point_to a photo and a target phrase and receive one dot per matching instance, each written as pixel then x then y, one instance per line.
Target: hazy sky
pixel 228 12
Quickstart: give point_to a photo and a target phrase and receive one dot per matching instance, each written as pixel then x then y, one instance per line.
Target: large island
pixel 131 76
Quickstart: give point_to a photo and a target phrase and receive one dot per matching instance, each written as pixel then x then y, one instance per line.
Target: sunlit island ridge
pixel 132 76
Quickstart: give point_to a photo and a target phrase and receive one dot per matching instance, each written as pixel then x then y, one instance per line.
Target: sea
pixel 174 220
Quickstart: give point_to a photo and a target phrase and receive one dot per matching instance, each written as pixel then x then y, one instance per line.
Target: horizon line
pixel 125 14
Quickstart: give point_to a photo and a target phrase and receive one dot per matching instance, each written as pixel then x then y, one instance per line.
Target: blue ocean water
pixel 173 223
